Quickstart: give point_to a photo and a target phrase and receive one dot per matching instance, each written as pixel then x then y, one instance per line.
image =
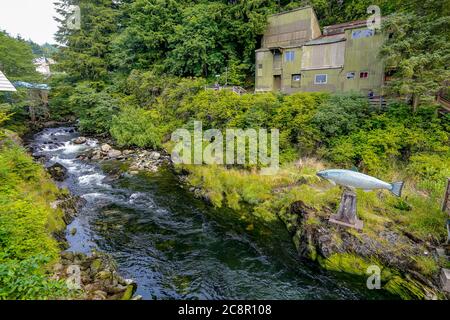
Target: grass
pixel 416 212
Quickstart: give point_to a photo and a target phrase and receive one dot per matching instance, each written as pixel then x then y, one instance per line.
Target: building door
pixel 276 83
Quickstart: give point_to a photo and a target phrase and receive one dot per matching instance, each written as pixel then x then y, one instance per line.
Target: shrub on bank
pixel 26 225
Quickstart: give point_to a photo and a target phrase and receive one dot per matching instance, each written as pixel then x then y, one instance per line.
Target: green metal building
pixel 297 57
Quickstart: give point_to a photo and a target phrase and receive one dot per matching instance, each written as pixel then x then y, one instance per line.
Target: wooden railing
pixel 443 102
pixel 377 101
pixel 235 89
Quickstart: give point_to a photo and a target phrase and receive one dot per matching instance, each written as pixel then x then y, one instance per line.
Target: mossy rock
pixel 403 287
pixel 128 294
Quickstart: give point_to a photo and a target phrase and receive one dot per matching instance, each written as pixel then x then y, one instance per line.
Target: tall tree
pixel 16 59
pixel 418 49
pixel 85 52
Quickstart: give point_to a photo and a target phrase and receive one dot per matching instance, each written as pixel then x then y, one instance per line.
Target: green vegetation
pixel 26 225
pixel 418 49
pixel 16 59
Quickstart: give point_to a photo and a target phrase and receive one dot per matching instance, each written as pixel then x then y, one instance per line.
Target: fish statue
pixel 356 180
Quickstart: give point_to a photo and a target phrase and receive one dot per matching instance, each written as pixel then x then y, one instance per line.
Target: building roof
pixel 326 40
pixel 5 85
pixel 341 27
pixel 292 10
pixel 28 85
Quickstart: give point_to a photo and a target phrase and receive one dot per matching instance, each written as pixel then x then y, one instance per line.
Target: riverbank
pixel 34 214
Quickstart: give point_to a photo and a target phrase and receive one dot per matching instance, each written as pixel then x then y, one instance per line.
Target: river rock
pixel 155 155
pixel 58 172
pixel 114 153
pixel 105 147
pixel 79 140
pixel 127 152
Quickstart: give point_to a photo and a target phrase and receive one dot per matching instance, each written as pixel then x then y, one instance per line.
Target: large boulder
pixel 58 172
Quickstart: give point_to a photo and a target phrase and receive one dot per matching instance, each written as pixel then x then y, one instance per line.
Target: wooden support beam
pixel 346 215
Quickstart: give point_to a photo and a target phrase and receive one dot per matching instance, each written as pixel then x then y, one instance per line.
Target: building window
pixel 364 75
pixel 290 56
pixel 350 75
pixel 296 79
pixel 364 33
pixel 320 79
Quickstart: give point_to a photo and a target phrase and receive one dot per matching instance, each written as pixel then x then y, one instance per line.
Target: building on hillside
pixel 5 84
pixel 295 56
pixel 43 65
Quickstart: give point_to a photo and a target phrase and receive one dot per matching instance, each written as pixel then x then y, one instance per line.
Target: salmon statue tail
pixel 397 188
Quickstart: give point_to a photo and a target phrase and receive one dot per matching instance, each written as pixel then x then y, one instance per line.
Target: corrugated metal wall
pixel 5 85
pixel 323 56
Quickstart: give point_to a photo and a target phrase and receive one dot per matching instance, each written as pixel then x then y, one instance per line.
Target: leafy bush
pixel 342 114
pixel 95 109
pixel 135 127
pixel 25 280
pixel 27 223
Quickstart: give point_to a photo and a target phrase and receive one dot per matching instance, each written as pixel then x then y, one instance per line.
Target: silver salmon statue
pixel 353 179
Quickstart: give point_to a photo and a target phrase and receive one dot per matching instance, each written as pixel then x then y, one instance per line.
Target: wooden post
pixel 446 208
pixel 346 214
pixel 446 202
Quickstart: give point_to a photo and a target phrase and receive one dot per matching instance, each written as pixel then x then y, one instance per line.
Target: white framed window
pixel 296 80
pixel 351 75
pixel 320 79
pixel 289 56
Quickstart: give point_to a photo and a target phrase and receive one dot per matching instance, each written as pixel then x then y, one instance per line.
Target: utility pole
pixel 226 76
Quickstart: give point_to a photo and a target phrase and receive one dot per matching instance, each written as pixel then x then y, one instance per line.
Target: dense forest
pixel 136 71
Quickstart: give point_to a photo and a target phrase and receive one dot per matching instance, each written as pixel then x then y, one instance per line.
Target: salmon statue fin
pixel 397 188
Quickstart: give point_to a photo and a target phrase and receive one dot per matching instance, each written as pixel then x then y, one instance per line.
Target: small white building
pixel 5 84
pixel 43 65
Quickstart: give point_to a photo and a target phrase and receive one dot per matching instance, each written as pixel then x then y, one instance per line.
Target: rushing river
pixel 169 242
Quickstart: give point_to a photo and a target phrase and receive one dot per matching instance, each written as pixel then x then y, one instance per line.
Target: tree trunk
pixel 415 102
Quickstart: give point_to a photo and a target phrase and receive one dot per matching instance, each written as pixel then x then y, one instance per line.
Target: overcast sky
pixel 32 19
